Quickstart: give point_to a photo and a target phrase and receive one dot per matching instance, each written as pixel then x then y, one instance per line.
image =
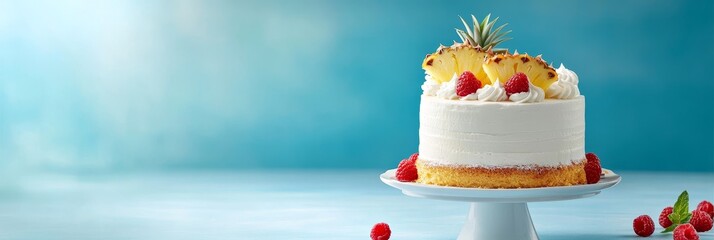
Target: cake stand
pixel 500 213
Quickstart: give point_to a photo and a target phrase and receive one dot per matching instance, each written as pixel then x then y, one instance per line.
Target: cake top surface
pixel 547 101
pixel 475 70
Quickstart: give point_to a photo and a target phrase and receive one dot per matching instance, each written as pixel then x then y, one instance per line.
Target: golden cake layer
pixel 478 177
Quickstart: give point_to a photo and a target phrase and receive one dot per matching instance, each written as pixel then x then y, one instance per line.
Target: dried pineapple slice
pixel 456 59
pixel 504 66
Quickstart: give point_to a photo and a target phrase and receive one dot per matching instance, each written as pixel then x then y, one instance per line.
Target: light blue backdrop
pixel 124 85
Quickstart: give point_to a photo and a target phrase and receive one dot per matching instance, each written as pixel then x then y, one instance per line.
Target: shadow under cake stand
pixel 500 213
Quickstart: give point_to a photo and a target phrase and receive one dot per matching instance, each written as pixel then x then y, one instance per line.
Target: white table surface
pixel 324 204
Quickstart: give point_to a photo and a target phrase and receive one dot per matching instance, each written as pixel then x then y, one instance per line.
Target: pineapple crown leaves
pixel 483 34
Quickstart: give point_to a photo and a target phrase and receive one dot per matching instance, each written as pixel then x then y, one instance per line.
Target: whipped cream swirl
pixel 492 93
pixel 472 96
pixel 430 86
pixel 567 85
pixel 534 94
pixel 448 89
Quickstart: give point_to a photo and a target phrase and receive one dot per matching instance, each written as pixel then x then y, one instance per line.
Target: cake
pixel 491 118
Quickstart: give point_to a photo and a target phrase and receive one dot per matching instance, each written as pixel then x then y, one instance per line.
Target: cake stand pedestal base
pixel 500 213
pixel 498 221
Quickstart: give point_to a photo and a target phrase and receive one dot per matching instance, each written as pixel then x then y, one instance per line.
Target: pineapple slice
pixel 456 59
pixel 504 66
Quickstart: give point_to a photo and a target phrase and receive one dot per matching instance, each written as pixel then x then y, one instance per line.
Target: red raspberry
pixel 380 231
pixel 701 221
pixel 592 157
pixel 592 168
pixel 685 232
pixel 517 84
pixel 414 157
pixel 404 163
pixel 707 207
pixel 407 171
pixel 663 219
pixel 467 84
pixel 643 226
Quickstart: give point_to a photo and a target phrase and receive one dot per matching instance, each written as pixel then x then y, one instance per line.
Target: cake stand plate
pixel 500 213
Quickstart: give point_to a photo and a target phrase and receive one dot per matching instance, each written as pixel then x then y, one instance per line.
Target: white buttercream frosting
pixel 430 86
pixel 492 93
pixel 567 85
pixel 550 133
pixel 448 89
pixel 534 94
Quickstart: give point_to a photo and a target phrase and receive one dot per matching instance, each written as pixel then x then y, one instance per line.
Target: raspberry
pixel 414 157
pixel 467 84
pixel 517 84
pixel 407 171
pixel 643 226
pixel 380 231
pixel 663 219
pixel 405 164
pixel 701 221
pixel 707 207
pixel 592 168
pixel 685 232
pixel 592 157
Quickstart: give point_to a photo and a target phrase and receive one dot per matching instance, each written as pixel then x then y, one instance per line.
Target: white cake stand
pixel 500 213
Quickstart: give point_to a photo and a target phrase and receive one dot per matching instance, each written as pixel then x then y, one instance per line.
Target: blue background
pixel 129 85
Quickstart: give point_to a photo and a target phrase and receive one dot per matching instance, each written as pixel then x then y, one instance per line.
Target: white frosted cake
pixel 494 134
pixel 493 119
